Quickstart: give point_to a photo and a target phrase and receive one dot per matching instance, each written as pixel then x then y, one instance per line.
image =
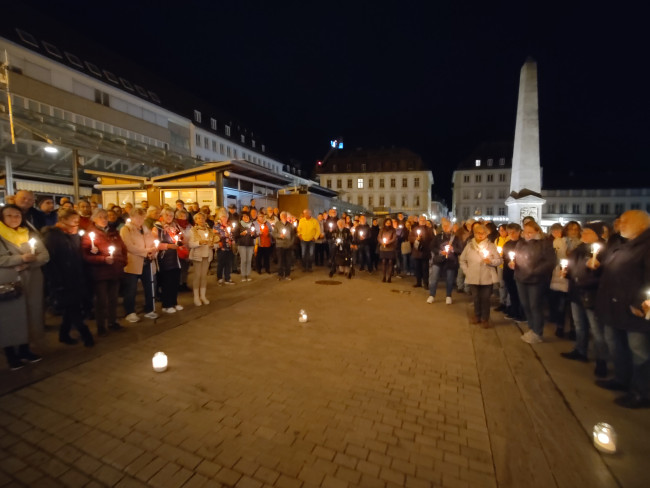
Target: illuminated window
pixel 360 183
pixel 197 116
pixel 478 162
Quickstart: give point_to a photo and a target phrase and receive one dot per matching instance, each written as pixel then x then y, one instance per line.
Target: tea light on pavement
pixel 302 316
pixel 159 362
pixel 604 438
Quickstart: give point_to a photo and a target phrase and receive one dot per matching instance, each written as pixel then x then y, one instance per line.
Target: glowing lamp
pixel 302 316
pixel 604 438
pixel 32 245
pixel 159 362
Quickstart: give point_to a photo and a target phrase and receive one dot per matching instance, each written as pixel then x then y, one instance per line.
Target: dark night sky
pixel 438 77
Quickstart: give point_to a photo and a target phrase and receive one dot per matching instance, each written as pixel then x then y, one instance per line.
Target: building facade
pixel 384 181
pixel 481 184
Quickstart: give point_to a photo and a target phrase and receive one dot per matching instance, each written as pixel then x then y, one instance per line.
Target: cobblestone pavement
pixel 377 389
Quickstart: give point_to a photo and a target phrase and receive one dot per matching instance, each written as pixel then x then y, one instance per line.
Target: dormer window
pixel 478 163
pixel 197 116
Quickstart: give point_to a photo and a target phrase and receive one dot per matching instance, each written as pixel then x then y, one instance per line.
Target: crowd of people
pixel 591 277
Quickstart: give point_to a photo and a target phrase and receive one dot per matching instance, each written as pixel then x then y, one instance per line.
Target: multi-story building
pixel 481 185
pixel 384 181
pixel 103 122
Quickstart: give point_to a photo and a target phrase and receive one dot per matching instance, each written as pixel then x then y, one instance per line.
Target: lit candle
pixel 604 438
pixel 302 316
pixel 331 225
pixel 32 245
pixel 361 234
pixel 418 231
pixel 92 239
pixel 111 250
pixel 81 233
pixel 128 221
pixel 156 242
pixel 486 253
pixel 499 249
pixel 252 229
pixel 262 228
pixel 384 240
pixel 564 263
pixel 595 247
pixel 352 230
pixel 234 224
pixel 284 231
pixel 447 248
pixel 295 224
pixel 511 255
pixel 338 240
pixel 176 239
pixel 159 362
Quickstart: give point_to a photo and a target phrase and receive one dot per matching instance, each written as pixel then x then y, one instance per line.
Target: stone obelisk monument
pixel 526 179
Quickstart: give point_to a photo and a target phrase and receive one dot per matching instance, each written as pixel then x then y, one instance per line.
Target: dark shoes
pixel 474 320
pixel 560 333
pixel 612 384
pixel 383 280
pixel 632 400
pixel 115 326
pixel 417 285
pixel 484 324
pixel 601 368
pixel 574 355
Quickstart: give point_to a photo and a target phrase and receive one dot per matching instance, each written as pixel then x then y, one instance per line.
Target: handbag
pixel 183 252
pixel 11 291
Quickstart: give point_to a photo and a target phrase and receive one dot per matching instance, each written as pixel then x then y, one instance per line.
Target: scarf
pixel 17 237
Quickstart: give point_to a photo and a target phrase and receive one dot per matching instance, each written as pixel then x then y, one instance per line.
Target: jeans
pixel 434 275
pixel 631 351
pixel 503 291
pixel 515 309
pixel 224 264
pixel 557 307
pixel 532 296
pixel 246 253
pixel 307 249
pixel 285 261
pixel 406 263
pixel 131 286
pixel 585 320
pixel 364 257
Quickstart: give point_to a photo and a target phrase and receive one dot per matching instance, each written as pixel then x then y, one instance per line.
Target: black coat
pixel 64 273
pixel 534 261
pixel 508 247
pixel 583 281
pixel 624 282
pixel 438 246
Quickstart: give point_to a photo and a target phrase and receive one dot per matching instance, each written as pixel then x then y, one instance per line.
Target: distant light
pixel 340 145
pixel 320 163
pixel 478 162
pixel 333 143
pixel 50 149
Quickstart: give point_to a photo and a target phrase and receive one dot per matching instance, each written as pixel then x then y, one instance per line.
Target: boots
pixel 86 336
pixel 197 300
pixel 203 297
pixel 12 358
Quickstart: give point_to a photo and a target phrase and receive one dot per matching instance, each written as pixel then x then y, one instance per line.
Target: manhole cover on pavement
pixel 328 282
pixel 403 292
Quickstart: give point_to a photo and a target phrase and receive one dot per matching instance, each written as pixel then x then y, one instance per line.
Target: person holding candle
pixel 445 251
pixel 420 238
pixel 533 266
pixel 224 240
pixel 141 265
pixel 105 269
pixel 283 233
pixel 583 285
pixel 201 242
pixel 514 311
pixel 330 226
pixel 246 234
pixel 21 318
pixel 622 291
pixel 362 238
pixel 265 241
pixel 559 286
pixel 479 261
pixel 182 218
pixel 342 250
pixel 500 241
pixel 168 233
pixel 65 275
pixel 387 239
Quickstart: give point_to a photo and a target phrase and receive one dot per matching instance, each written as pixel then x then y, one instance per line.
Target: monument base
pixel 525 206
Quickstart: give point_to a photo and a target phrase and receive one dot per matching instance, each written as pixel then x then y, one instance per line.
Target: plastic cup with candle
pixel 32 245
pixel 111 250
pixel 499 249
pixel 159 362
pixel 564 263
pixel 511 255
pixel 155 243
